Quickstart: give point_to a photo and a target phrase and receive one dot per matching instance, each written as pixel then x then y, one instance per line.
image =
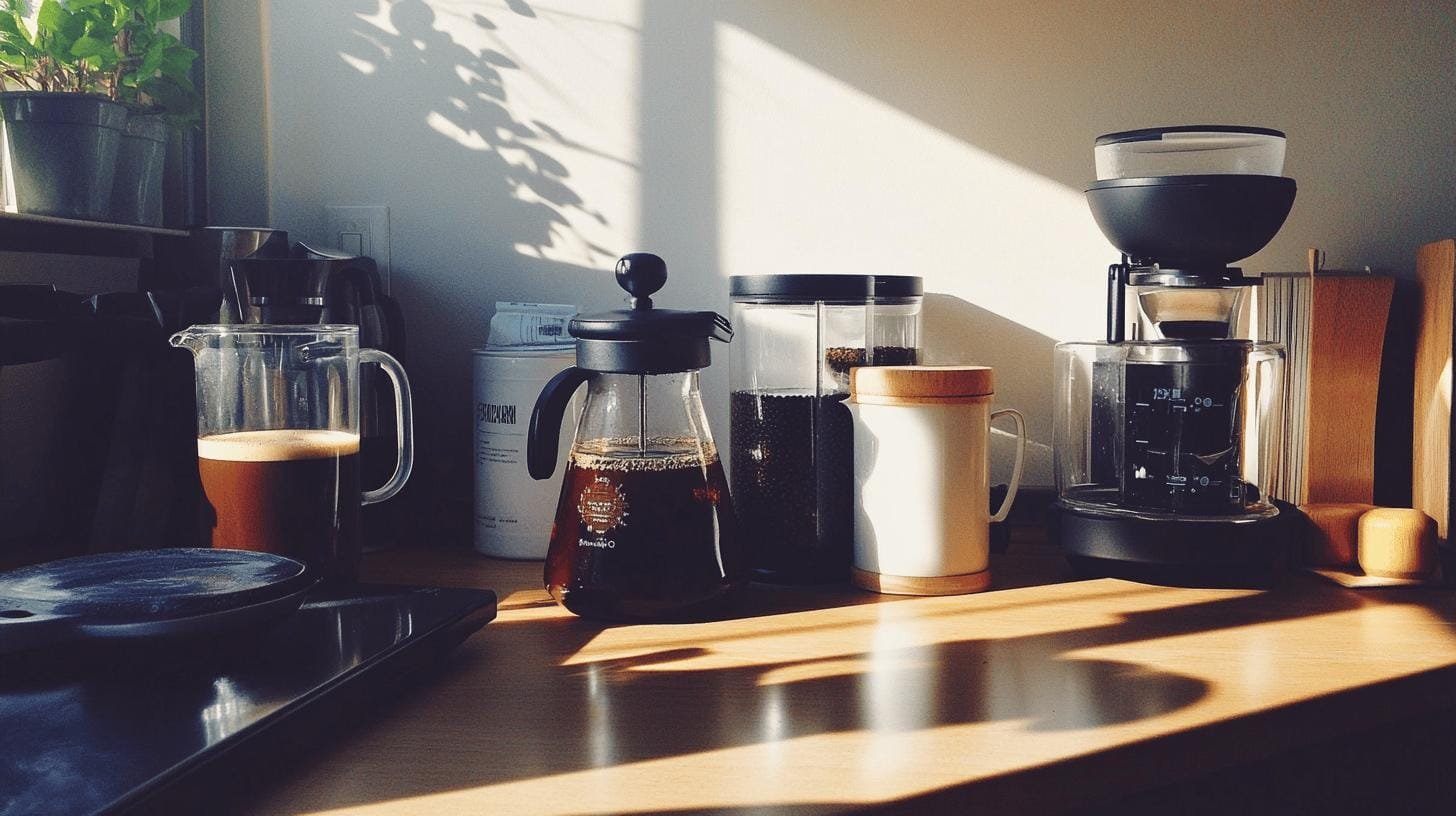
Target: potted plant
pixel 103 83
pixel 63 128
pixel 152 76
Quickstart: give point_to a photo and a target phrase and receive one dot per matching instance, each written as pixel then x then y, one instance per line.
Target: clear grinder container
pixel 791 437
pixel 1159 428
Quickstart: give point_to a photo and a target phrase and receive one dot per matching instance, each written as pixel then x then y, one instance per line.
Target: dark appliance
pixel 95 413
pixel 1166 434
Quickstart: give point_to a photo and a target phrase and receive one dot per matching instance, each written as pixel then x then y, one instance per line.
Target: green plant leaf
pixel 15 14
pixel 152 59
pixel 181 81
pixel 14 42
pixel 70 27
pixel 140 40
pixel 89 46
pixel 103 31
pixel 77 5
pixel 178 100
pixel 172 9
pixel 177 62
pixel 51 16
pixel 10 26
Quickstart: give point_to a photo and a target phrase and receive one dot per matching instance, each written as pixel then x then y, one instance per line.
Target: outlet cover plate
pixel 361 229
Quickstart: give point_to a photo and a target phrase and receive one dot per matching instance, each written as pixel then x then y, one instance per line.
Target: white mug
pixel 921 477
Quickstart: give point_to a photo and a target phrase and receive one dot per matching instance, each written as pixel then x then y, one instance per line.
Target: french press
pixel 644 528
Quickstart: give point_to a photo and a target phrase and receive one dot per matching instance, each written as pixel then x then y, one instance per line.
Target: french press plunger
pixel 645 528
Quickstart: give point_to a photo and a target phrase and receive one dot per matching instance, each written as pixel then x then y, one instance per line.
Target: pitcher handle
pixel 544 435
pixel 1005 508
pixel 404 424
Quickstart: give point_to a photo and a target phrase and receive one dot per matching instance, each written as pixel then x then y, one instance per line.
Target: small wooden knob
pixel 1332 532
pixel 1397 542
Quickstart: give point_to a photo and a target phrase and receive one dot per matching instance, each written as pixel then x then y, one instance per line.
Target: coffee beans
pixel 841 359
pixel 792 465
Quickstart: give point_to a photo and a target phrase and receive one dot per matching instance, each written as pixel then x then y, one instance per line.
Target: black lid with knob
pixel 642 339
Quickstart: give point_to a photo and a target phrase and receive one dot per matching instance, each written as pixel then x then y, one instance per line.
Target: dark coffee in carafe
pixel 644 532
pixel 292 492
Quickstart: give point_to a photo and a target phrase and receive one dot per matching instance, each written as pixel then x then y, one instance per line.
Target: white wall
pixel 522 145
pixel 237 113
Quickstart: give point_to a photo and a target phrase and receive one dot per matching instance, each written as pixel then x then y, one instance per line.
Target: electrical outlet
pixel 360 230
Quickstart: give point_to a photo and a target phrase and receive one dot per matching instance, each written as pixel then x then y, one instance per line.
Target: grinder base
pixel 1188 551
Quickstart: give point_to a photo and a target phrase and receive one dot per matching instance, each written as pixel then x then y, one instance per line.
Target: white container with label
pixel 513 512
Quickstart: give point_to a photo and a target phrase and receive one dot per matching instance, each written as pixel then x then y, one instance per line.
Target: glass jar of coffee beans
pixel 791 440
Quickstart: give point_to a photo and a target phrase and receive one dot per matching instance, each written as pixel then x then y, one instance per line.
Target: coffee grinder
pixel 1166 436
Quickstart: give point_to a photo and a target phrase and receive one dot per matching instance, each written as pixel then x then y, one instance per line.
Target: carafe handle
pixel 545 433
pixel 404 422
pixel 1005 508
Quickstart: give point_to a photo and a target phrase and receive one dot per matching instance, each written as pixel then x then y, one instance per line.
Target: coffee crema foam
pixel 277 446
pixel 663 453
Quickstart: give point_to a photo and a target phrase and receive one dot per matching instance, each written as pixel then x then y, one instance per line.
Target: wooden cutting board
pixel 1431 444
pixel 1347 331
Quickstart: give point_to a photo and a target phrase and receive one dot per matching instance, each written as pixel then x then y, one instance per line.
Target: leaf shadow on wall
pixel 485 204
pixel 462 96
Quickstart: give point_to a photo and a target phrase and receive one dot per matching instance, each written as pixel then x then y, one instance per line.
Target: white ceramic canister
pixel 513 512
pixel 921 477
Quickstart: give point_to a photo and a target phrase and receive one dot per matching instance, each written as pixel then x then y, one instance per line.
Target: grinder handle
pixel 545 432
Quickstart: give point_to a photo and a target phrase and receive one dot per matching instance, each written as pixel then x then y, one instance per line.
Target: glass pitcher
pixel 278 439
pixel 644 527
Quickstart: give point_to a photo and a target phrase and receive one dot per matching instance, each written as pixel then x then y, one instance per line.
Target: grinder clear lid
pixel 1189 150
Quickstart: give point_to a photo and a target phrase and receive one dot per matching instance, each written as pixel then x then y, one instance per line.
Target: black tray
pixel 116 728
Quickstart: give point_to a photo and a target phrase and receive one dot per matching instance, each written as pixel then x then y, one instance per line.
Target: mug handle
pixel 404 424
pixel 1005 508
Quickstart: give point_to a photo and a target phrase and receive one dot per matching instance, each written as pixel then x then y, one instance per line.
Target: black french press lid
pixel 644 340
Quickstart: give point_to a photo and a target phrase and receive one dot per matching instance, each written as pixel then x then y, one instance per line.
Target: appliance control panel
pixel 1181 437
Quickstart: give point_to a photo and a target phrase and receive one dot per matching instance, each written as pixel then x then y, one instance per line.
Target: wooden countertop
pixel 1039 697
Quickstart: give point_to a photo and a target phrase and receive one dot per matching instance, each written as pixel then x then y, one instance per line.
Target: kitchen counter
pixel 1044 694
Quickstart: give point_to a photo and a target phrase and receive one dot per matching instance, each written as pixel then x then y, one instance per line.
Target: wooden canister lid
pixel 921 384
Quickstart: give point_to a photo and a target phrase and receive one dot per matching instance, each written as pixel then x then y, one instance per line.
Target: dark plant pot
pixel 62 151
pixel 136 194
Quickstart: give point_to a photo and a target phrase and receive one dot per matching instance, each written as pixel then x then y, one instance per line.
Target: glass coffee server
pixel 645 528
